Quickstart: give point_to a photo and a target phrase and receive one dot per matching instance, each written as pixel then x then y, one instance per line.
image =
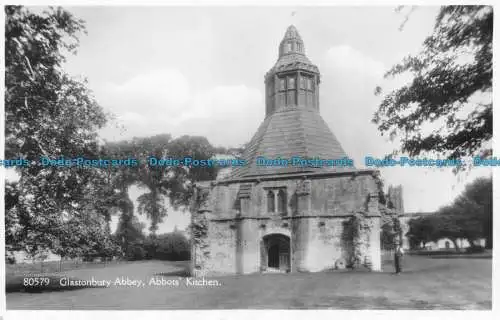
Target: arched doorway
pixel 276 253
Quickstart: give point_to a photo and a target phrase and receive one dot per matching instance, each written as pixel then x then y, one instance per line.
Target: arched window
pixel 309 84
pixel 282 84
pixel 302 82
pixel 291 83
pixel 282 201
pixel 270 201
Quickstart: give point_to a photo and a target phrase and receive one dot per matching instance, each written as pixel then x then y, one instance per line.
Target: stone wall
pixel 317 211
pixel 325 244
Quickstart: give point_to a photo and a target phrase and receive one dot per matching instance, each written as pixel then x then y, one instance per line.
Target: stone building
pixel 396 205
pixel 288 218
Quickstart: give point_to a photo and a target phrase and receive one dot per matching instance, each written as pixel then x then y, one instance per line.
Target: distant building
pixel 448 244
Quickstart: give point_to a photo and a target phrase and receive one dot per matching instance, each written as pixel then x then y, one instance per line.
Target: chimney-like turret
pixel 294 80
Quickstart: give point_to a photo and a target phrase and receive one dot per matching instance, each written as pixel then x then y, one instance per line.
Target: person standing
pixel 398 257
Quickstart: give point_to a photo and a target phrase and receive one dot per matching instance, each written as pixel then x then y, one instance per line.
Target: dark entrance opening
pixel 273 259
pixel 276 253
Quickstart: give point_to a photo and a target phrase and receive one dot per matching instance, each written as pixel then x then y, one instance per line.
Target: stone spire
pixel 294 80
pixel 291 43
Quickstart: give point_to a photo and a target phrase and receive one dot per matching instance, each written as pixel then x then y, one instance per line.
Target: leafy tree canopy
pixel 469 217
pixel 451 74
pixel 160 182
pixel 48 113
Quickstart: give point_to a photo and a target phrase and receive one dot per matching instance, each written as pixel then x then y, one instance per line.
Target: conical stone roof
pixel 287 133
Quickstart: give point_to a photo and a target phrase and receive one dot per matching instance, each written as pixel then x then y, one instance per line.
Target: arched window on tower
pixel 302 82
pixel 270 201
pixel 309 84
pixel 282 85
pixel 282 201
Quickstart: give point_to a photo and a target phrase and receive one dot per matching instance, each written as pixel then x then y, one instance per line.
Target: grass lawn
pixel 427 283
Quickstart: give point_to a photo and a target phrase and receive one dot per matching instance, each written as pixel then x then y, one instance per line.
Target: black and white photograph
pixel 248 157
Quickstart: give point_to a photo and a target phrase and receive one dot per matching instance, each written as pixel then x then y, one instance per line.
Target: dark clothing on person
pixel 397 262
pixel 398 256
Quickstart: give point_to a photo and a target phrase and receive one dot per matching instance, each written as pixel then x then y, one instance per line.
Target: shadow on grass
pixel 175 273
pixel 464 256
pixel 16 284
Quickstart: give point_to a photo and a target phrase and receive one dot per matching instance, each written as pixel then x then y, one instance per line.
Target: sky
pixel 200 71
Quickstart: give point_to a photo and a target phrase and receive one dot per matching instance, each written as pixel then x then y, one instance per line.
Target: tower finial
pixel 292 42
pixel 292 17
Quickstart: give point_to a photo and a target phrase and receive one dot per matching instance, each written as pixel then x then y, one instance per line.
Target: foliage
pixel 391 231
pixel 422 229
pixel 46 112
pixel 472 212
pixel 68 209
pixel 130 236
pixel 173 246
pixel 50 114
pixel 237 152
pixel 130 229
pixel 382 198
pixel 199 224
pixel 358 224
pixel 469 217
pixel 161 182
pixel 452 72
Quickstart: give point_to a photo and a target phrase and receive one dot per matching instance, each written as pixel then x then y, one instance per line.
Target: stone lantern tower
pixel 294 80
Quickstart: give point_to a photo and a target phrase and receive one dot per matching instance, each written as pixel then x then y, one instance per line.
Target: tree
pixel 131 237
pixel 447 225
pixel 472 211
pixel 140 149
pixel 421 230
pixel 388 234
pixel 173 246
pixel 469 216
pixel 12 222
pixel 480 192
pixel 161 182
pixel 181 183
pixel 451 73
pixel 49 114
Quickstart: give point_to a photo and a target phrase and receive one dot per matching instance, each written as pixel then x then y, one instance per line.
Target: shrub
pixel 475 249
